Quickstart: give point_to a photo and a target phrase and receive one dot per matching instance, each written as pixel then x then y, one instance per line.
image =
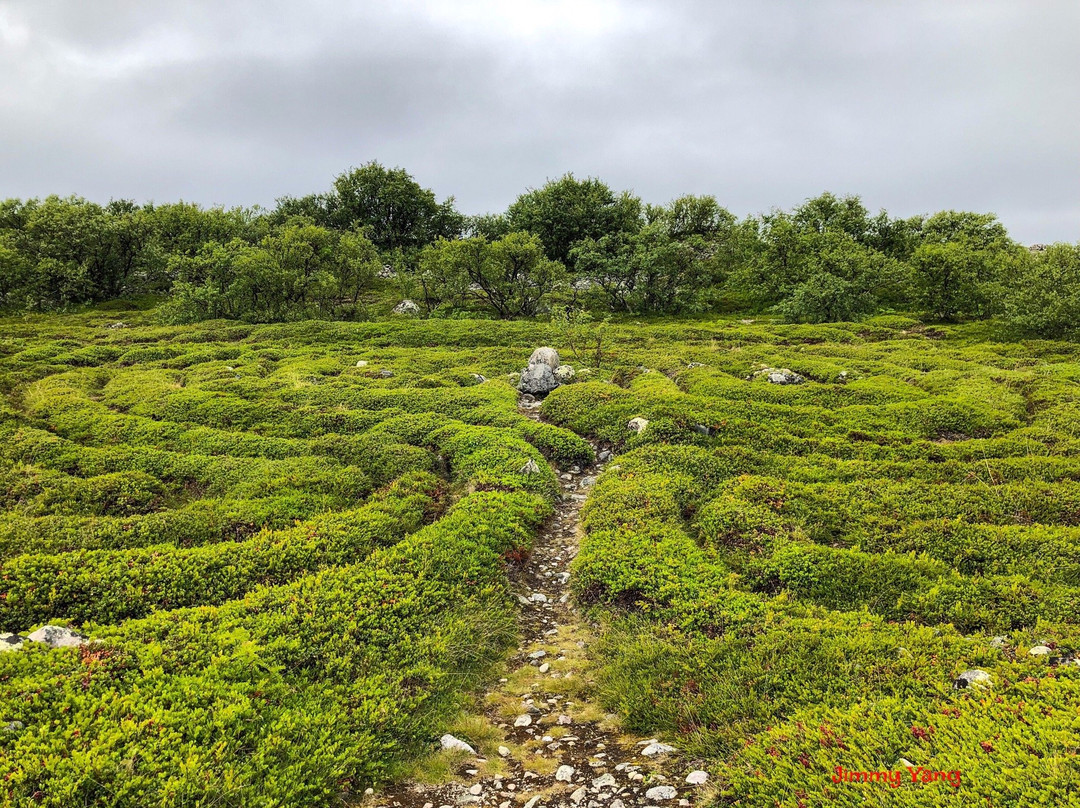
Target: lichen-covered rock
pixel 57 637
pixel 10 642
pixel 564 374
pixel 407 308
pixel 973 678
pixel 637 424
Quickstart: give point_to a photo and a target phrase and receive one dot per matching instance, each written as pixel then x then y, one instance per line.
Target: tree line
pixel 572 242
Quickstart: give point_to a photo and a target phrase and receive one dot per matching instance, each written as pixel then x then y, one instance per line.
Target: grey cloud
pixel 916 106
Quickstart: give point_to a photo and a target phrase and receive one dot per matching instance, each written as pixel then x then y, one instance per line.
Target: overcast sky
pixel 915 106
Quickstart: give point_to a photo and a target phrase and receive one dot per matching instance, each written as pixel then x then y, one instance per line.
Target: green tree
pixel 511 275
pixel 1042 297
pixel 566 211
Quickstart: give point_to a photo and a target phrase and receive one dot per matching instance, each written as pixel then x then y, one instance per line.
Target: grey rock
pixel 1041 650
pixel 545 356
pixel 544 668
pixel 999 641
pixel 657 748
pixel 476 789
pixel 661 793
pixel 564 774
pixel 13 726
pixel 504 751
pixel 605 455
pixel 604 781
pixel 537 655
pixel 565 720
pixel 479 378
pixel 450 742
pixel 692 365
pixel 538 379
pixel 523 720
pixel 578 795
pixel 407 307
pixel 780 376
pixel 10 642
pixel 697 778
pixel 973 678
pixel 532 467
pixel 386 374
pixel 637 424
pixel 58 637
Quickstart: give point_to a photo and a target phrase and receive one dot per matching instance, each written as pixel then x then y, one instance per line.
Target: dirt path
pixel 541 742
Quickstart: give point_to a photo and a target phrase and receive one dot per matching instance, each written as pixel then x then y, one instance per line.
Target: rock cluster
pixel 544 373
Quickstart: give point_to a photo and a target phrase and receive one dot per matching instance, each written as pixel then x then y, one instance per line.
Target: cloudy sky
pixel 916 106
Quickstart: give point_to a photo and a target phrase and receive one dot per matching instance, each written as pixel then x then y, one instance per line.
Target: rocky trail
pixel 541 742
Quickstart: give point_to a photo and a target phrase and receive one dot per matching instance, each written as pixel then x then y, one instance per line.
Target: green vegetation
pixel 287 543
pixel 378 236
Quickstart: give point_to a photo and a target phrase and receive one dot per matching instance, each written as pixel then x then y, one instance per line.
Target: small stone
pixel 538 597
pixel 565 720
pixel 578 795
pixel 907 764
pixel 999 641
pixel 1041 650
pixel 564 374
pixel 369 791
pixel 505 804
pixel 697 778
pixel 693 365
pixel 617 804
pixel 386 374
pixel 545 668
pixel 361 363
pixel 476 790
pixel 407 307
pixel 532 802
pixel 661 793
pixel 504 751
pixel 604 781
pixel 523 720
pixel 637 424
pixel 532 467
pixel 479 378
pixel 604 456
pixel 456 744
pixel 656 748
pixel 472 772
pixel 564 774
pixel 13 726
pixel 588 481
pixel 537 655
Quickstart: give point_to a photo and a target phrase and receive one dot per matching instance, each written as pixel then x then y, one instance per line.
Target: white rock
pixel 545 668
pixel 973 678
pixel 578 795
pixel 538 655
pixel 1041 650
pixel 407 307
pixel 656 748
pixel 907 764
pixel 57 637
pixel 458 745
pixel 604 781
pixel 618 804
pixel 524 720
pixel 637 424
pixel 545 356
pixel 565 719
pixel 532 467
pixel 538 597
pixel 564 774
pixel 696 778
pixel 10 642
pixel 361 363
pixel 532 802
pixel 661 793
pixel 476 790
pixel 504 751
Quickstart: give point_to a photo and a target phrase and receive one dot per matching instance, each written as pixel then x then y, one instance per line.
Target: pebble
pixel 538 655
pixel 564 774
pixel 656 748
pixel 523 721
pixel 696 778
pixel 565 720
pixel 1040 650
pixel 604 780
pixel 578 795
pixel 532 802
pixel 476 790
pixel 450 742
pixel 504 751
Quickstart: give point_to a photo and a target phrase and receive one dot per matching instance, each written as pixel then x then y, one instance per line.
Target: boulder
pixel 637 424
pixel 57 637
pixel 564 374
pixel 784 376
pixel 545 356
pixel 538 379
pixel 10 642
pixel 456 744
pixel 973 678
pixel 407 308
